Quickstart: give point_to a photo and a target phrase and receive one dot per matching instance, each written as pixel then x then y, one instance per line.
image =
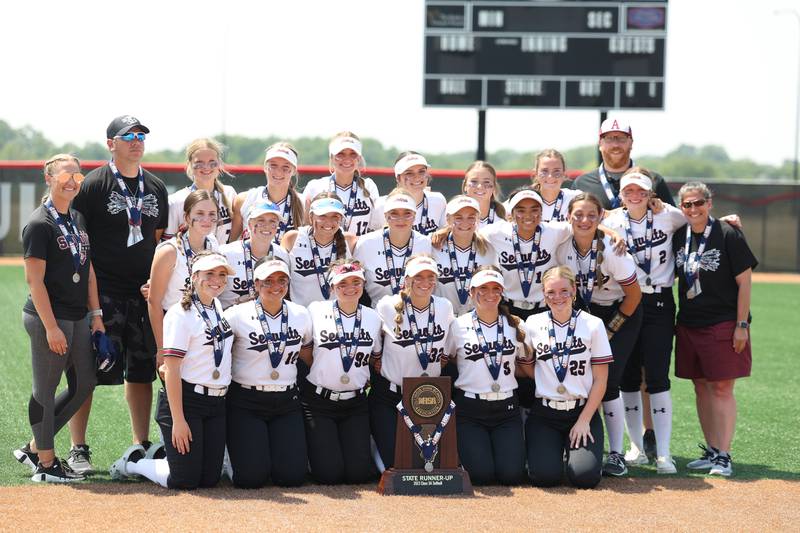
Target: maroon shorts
pixel 707 353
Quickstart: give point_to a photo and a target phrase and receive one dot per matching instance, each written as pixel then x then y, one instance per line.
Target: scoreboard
pixel 546 54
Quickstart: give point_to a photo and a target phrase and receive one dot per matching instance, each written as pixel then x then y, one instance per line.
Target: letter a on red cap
pixel 615 126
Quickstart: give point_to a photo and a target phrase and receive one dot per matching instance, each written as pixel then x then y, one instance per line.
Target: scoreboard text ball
pixel 558 54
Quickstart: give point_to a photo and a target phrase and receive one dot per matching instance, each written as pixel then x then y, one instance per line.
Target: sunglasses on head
pixel 128 137
pixel 697 203
pixel 65 176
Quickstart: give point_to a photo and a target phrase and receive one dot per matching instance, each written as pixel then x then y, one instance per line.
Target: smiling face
pixel 202 218
pixel 205 165
pixel 695 207
pixel 527 215
pixel 585 217
pixel 210 283
pixel 558 293
pixel 487 296
pixel 464 221
pixel 414 179
pixel 615 147
pixel 399 219
pixel 549 173
pixel 479 183
pixel 325 226
pixel 274 288
pixel 279 171
pixel 65 181
pixel 422 285
pixel 346 161
pixel 634 197
pixel 349 290
pixel 263 227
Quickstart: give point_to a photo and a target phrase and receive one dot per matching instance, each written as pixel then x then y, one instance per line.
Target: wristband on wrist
pixel 617 321
pixel 95 312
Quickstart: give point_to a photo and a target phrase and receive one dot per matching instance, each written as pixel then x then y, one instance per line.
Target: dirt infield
pixel 676 504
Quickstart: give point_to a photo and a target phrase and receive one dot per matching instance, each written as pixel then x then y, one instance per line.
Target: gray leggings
pixel 47 412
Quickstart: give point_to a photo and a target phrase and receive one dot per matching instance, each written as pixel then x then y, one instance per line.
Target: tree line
pixel 709 161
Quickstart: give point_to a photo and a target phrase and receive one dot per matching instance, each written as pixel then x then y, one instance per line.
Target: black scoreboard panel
pixel 557 54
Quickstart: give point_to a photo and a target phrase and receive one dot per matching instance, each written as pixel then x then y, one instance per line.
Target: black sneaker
pixel 649 439
pixel 58 472
pixel 80 459
pixel 614 465
pixel 25 456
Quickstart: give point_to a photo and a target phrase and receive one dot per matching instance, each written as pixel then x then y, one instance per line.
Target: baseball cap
pixel 409 161
pixel 615 124
pixel 281 151
pixel 210 262
pixel 324 206
pixel 123 124
pixel 419 264
pixel 486 276
pixel 399 201
pixel 264 208
pixel 269 267
pixel 636 178
pixel 346 270
pixel 343 143
pixel 526 194
pixel 457 203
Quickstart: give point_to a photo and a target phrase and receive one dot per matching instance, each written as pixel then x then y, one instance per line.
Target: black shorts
pixel 128 324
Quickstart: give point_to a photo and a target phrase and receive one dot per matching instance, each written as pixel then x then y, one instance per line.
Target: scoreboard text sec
pixel 557 54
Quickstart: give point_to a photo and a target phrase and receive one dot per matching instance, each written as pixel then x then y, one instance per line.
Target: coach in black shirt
pixel 616 143
pixel 126 210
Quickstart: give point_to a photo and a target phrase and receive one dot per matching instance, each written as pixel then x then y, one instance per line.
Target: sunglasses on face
pixel 129 137
pixel 697 203
pixel 65 177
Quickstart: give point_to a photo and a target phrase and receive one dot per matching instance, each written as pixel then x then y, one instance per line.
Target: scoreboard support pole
pixel 603 116
pixel 481 153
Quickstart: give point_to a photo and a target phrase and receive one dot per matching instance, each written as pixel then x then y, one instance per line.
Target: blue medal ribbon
pixel 349 207
pixel 428 447
pixel 648 240
pixel 558 360
pixel 495 354
pixel 394 280
pixel 590 277
pixel 134 210
pixel 461 275
pixel 217 331
pixel 526 270
pixel 71 234
pixel 347 351
pixel 691 269
pixel 421 348
pixel 422 227
pixel 320 265
pixel 275 349
pixel 613 198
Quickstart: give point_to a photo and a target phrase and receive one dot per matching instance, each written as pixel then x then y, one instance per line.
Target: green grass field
pixel 764 446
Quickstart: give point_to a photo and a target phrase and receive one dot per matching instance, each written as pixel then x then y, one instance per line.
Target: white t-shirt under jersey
pixel 259 194
pixel 370 251
pixel 186 336
pixel 473 366
pixel 176 218
pixel 364 217
pixel 446 286
pixel 590 347
pixel 400 358
pixel 616 270
pixel 237 290
pixel 326 370
pixel 662 259
pixel 305 283
pixel 252 364
pixel 435 219
pixel 500 235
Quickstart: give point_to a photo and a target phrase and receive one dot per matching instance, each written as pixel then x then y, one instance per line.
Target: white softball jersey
pixel 473 366
pixel 187 337
pixel 379 271
pixel 175 218
pixel 662 259
pixel 616 271
pixel 549 211
pixel 252 364
pixel 447 287
pixel 259 194
pixel 306 285
pixel 590 347
pixel 500 235
pixel 327 369
pixel 179 278
pixel 430 214
pixel 363 218
pixel 237 289
pixel 400 358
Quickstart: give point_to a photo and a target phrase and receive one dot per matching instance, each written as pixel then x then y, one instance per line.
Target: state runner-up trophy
pixel 426 455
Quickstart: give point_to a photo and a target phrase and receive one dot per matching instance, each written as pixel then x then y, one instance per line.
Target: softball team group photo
pixel 278 324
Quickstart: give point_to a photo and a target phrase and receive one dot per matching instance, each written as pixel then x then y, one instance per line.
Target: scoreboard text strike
pixel 559 54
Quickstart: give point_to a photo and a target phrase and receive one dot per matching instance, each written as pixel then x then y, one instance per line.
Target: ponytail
pixel 601 246
pixel 515 322
pixel 341 244
pixel 399 308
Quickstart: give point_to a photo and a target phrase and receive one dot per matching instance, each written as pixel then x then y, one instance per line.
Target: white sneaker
pixel 119 468
pixel 635 456
pixel 665 465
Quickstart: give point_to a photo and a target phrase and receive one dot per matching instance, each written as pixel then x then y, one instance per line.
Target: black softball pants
pixel 622 344
pixel 653 348
pixel 383 417
pixel 202 466
pixel 490 443
pixel 266 437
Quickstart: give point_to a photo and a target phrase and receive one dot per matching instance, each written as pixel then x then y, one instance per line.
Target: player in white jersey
pixel 204 167
pixel 280 169
pixel 262 224
pixel 357 193
pixel 312 248
pixel 608 288
pixel 548 175
pixel 525 250
pixel 169 273
pixel 480 183
pixel 458 250
pixel 346 334
pixel 412 172
pixel 384 252
pixel 191 413
pixel 416 326
pixel 490 348
pixel 266 436
pixel 570 369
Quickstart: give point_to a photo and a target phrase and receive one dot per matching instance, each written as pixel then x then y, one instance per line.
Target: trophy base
pixel 417 481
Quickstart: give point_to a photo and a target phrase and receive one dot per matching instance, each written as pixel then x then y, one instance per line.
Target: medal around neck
pixel 426 457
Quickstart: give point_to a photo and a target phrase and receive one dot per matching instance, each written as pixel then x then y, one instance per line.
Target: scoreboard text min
pixel 556 54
